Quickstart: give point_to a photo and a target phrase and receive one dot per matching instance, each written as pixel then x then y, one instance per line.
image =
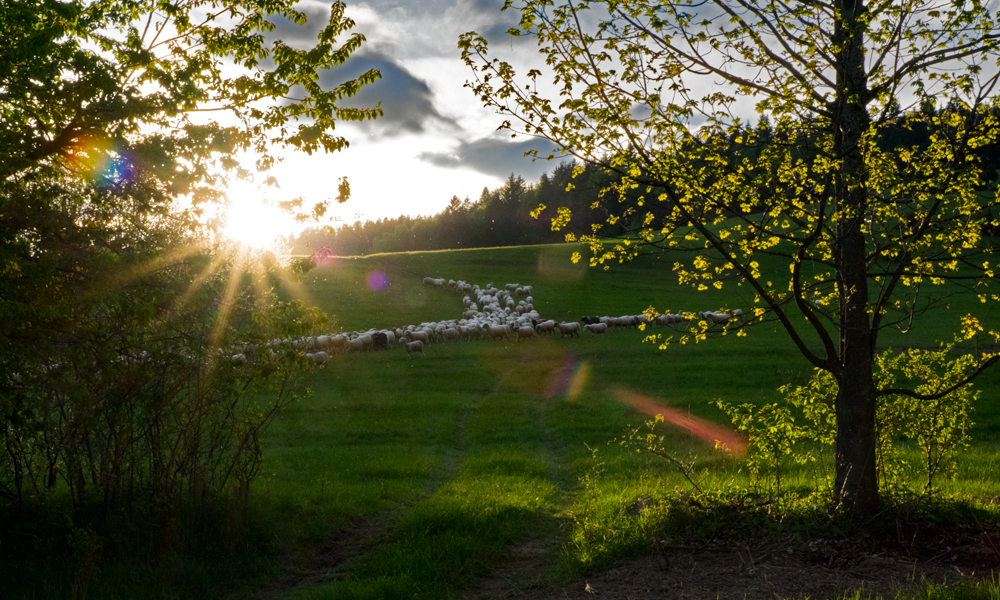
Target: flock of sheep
pixel 489 313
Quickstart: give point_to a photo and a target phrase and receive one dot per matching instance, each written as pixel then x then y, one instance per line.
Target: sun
pixel 255 223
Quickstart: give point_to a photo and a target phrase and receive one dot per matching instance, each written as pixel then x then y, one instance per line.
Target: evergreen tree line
pixel 500 217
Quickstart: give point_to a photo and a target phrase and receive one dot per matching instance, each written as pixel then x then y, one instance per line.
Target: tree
pixel 124 371
pixel 655 91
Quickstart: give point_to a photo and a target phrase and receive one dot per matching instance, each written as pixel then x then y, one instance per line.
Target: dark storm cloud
pixel 495 157
pixel 406 100
pixel 295 35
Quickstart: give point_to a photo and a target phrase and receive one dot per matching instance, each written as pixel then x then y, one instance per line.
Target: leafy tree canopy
pixel 117 115
pixel 868 226
pixel 130 345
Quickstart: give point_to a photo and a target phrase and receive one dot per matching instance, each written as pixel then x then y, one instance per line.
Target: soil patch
pixel 323 563
pixel 729 571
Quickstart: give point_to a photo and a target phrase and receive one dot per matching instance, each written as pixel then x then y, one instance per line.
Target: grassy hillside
pixel 434 467
pixel 400 477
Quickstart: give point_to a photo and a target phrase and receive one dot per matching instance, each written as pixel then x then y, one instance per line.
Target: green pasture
pixel 402 477
pixel 425 471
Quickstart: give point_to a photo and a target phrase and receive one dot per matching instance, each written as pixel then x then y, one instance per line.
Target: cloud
pixel 407 101
pixel 495 157
pixel 411 31
pixel 299 36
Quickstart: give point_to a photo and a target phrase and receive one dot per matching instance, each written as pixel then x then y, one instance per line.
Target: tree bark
pixel 856 480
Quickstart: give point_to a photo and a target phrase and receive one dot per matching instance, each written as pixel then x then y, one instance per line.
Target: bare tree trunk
pixel 856 480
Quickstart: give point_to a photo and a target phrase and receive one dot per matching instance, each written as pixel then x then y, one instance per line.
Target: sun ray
pixel 295 288
pixel 225 308
pixel 155 263
pixel 200 280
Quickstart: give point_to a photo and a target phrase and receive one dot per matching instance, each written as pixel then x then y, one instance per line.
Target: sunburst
pixel 253 222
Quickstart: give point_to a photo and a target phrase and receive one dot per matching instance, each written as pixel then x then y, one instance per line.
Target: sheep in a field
pixel 525 333
pixel 497 332
pixel 469 332
pixel 415 346
pixel 596 328
pixel 590 320
pixel 544 326
pixel 380 341
pixel 428 281
pixel 355 345
pixel 420 336
pixel 318 358
pixel 620 322
pixel 569 329
pixel 715 318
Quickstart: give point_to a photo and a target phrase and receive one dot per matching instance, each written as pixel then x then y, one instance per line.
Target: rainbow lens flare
pixel 378 281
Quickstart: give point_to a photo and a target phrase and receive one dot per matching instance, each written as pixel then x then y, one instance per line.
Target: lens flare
pixel 377 281
pixel 578 381
pixel 570 379
pixel 323 257
pixel 715 434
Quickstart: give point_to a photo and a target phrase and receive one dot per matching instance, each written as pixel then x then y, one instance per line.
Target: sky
pixel 435 141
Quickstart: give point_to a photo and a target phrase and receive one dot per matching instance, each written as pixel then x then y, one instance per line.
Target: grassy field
pixel 397 477
pixel 431 469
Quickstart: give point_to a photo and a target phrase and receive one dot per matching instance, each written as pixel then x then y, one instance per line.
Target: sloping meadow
pixel 416 474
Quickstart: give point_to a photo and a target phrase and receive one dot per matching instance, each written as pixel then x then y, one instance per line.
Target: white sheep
pixel 597 328
pixel 497 332
pixel 414 346
pixel 545 326
pixel 420 336
pixel 569 329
